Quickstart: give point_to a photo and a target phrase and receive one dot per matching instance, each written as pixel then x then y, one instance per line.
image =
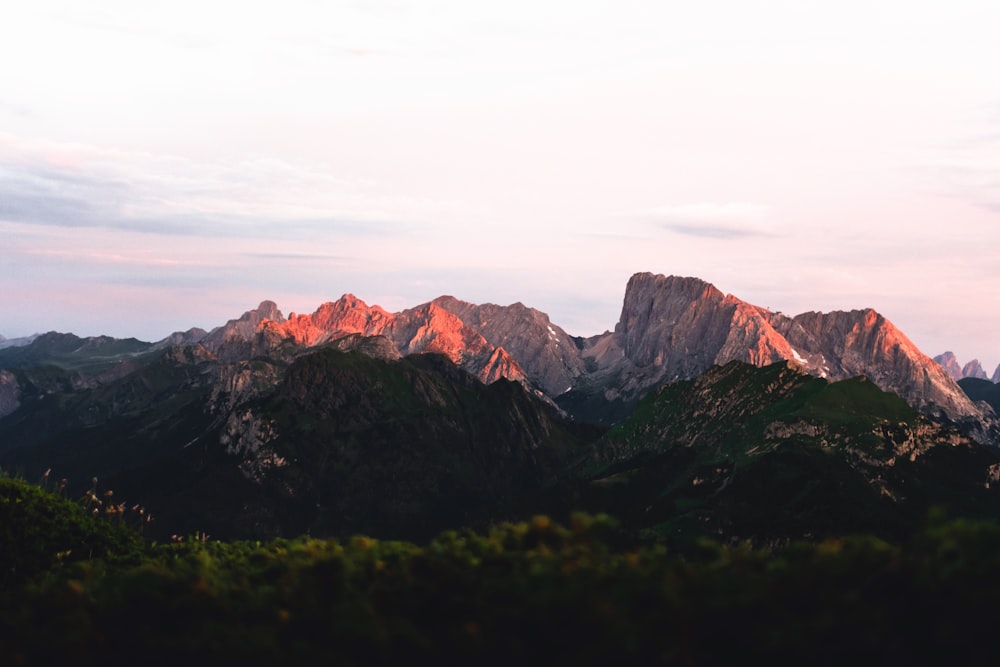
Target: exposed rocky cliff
pixel 844 344
pixel 234 339
pixel 677 328
pixel 425 328
pixel 549 356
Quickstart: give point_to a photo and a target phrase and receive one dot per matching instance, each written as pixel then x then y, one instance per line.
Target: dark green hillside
pixel 330 442
pixel 982 390
pixel 400 449
pixel 111 428
pixel 530 593
pixel 40 530
pixel 71 352
pixel 773 454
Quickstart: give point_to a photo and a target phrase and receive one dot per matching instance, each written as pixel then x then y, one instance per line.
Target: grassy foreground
pixel 78 590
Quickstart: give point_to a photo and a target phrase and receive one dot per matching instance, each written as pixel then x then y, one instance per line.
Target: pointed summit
pixel 244 329
pixel 950 364
pixel 974 369
pixel 674 328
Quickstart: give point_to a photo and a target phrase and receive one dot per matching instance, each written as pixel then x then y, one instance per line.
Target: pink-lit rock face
pixel 677 328
pixel 426 328
pixel 863 342
pixel 347 315
pixel 670 328
pixel 549 355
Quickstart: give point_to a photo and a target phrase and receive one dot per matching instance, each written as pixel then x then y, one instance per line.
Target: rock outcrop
pixel 10 393
pixel 234 339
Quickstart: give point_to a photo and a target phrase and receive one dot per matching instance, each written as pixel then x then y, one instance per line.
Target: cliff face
pixel 427 328
pixel 548 355
pixel 234 340
pixel 845 344
pixel 677 328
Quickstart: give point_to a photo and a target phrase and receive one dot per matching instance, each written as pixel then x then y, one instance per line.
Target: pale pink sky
pixel 171 167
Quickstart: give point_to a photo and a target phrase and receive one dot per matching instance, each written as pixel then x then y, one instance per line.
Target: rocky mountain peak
pixel 677 328
pixel 655 307
pixel 425 328
pixel 950 364
pixel 974 369
pixel 267 310
pixel 844 344
pixel 244 328
pixel 347 315
pixel 549 356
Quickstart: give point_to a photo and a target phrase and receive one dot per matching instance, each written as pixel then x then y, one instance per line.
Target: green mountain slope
pixel 328 441
pixel 982 390
pixel 771 454
pixel 396 448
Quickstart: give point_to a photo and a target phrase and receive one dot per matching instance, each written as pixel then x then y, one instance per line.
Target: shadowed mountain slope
pixel 334 442
pixel 772 453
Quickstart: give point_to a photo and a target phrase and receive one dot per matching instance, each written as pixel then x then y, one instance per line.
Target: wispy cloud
pixel 75 186
pixel 731 220
pixel 301 257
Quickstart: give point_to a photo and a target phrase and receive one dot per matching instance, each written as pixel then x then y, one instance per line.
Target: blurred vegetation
pixel 41 530
pixel 82 588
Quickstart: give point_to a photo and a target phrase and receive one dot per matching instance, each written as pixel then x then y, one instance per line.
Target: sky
pixel 170 165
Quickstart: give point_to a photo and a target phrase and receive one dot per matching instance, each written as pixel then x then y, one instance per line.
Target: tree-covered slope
pixel 322 440
pixel 772 454
pixel 399 449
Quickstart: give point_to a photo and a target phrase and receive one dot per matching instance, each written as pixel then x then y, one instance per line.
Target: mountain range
pixel 670 328
pixel 972 369
pixel 353 418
